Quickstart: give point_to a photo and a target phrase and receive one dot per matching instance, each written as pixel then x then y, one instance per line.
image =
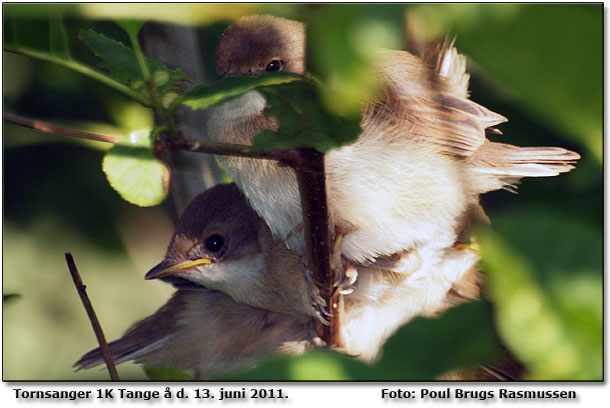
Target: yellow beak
pixel 167 268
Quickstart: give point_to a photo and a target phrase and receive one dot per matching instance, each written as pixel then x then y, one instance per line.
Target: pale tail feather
pixel 501 165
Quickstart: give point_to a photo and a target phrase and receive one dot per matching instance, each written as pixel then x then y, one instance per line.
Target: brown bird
pixel 419 165
pixel 207 331
pixel 221 244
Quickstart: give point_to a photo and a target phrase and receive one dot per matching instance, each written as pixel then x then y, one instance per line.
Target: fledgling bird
pixel 221 244
pixel 207 331
pixel 419 165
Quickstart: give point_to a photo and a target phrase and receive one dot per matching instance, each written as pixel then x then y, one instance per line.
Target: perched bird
pixel 221 244
pixel 417 168
pixel 207 331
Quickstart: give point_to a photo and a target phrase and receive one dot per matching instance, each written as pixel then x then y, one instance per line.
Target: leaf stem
pixel 140 56
pixel 82 69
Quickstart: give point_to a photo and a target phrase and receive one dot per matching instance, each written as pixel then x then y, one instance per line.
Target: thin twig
pixel 57 130
pixel 81 288
pixel 181 143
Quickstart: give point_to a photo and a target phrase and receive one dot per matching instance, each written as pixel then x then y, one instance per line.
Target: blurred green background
pixel 539 65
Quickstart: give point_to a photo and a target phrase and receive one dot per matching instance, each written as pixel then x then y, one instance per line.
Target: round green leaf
pixel 135 173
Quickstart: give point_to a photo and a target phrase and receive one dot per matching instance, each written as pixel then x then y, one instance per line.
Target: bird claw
pixel 348 280
pixel 318 303
pixel 321 318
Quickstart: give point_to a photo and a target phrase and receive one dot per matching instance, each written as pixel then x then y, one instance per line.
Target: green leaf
pixel 202 97
pixel 58 40
pixel 118 59
pixel 132 27
pixel 161 373
pixel 547 286
pixel 122 63
pixel 293 100
pixel 303 120
pixel 135 173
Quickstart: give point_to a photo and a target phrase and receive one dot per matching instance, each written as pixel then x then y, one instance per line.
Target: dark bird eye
pixel 275 65
pixel 215 243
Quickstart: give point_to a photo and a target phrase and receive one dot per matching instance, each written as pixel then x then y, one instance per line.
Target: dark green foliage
pixel 205 96
pixel 303 121
pixel 122 63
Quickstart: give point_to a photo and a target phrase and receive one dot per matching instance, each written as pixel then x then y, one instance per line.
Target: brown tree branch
pixel 308 164
pixel 57 130
pixel 81 288
pixel 181 143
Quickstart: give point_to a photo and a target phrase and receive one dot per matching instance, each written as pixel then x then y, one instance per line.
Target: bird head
pixel 257 44
pixel 215 243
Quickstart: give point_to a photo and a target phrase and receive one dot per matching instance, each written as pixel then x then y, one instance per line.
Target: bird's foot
pixel 348 279
pixel 317 302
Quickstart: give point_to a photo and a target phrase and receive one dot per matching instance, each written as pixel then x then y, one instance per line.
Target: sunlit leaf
pixel 183 13
pixel 135 173
pixel 342 50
